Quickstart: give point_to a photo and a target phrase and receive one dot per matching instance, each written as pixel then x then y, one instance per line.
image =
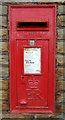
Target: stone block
pixel 3 10
pixel 4 46
pixel 4 105
pixel 61 33
pixel 0 9
pixel 4 33
pixel 64 95
pixel 59 108
pixel 41 116
pixel 64 108
pixel 5 72
pixel 60 88
pixel 61 9
pixel 59 73
pixel 60 59
pixel 59 85
pixel 4 59
pixel 4 95
pixel 60 47
pixel 59 97
pixel 44 1
pixel 61 21
pixel 4 21
pixel 0 46
pixel 24 116
pixel 4 85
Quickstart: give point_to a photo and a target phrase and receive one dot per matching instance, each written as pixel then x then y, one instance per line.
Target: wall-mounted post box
pixel 32 58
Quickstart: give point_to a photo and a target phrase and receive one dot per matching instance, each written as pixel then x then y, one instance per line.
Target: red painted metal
pixel 32 92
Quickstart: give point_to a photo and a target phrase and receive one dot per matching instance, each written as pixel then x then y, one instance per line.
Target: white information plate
pixel 32 60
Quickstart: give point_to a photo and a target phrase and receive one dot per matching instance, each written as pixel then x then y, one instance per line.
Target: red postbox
pixel 32 58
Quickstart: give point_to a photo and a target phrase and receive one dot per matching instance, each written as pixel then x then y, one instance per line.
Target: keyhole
pixel 22 77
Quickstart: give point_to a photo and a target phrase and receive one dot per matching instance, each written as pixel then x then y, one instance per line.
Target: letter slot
pixel 42 25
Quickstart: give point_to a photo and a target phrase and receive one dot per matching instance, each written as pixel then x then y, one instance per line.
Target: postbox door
pixel 32 73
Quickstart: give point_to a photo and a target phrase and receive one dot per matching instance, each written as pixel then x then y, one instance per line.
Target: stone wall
pixel 60 63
